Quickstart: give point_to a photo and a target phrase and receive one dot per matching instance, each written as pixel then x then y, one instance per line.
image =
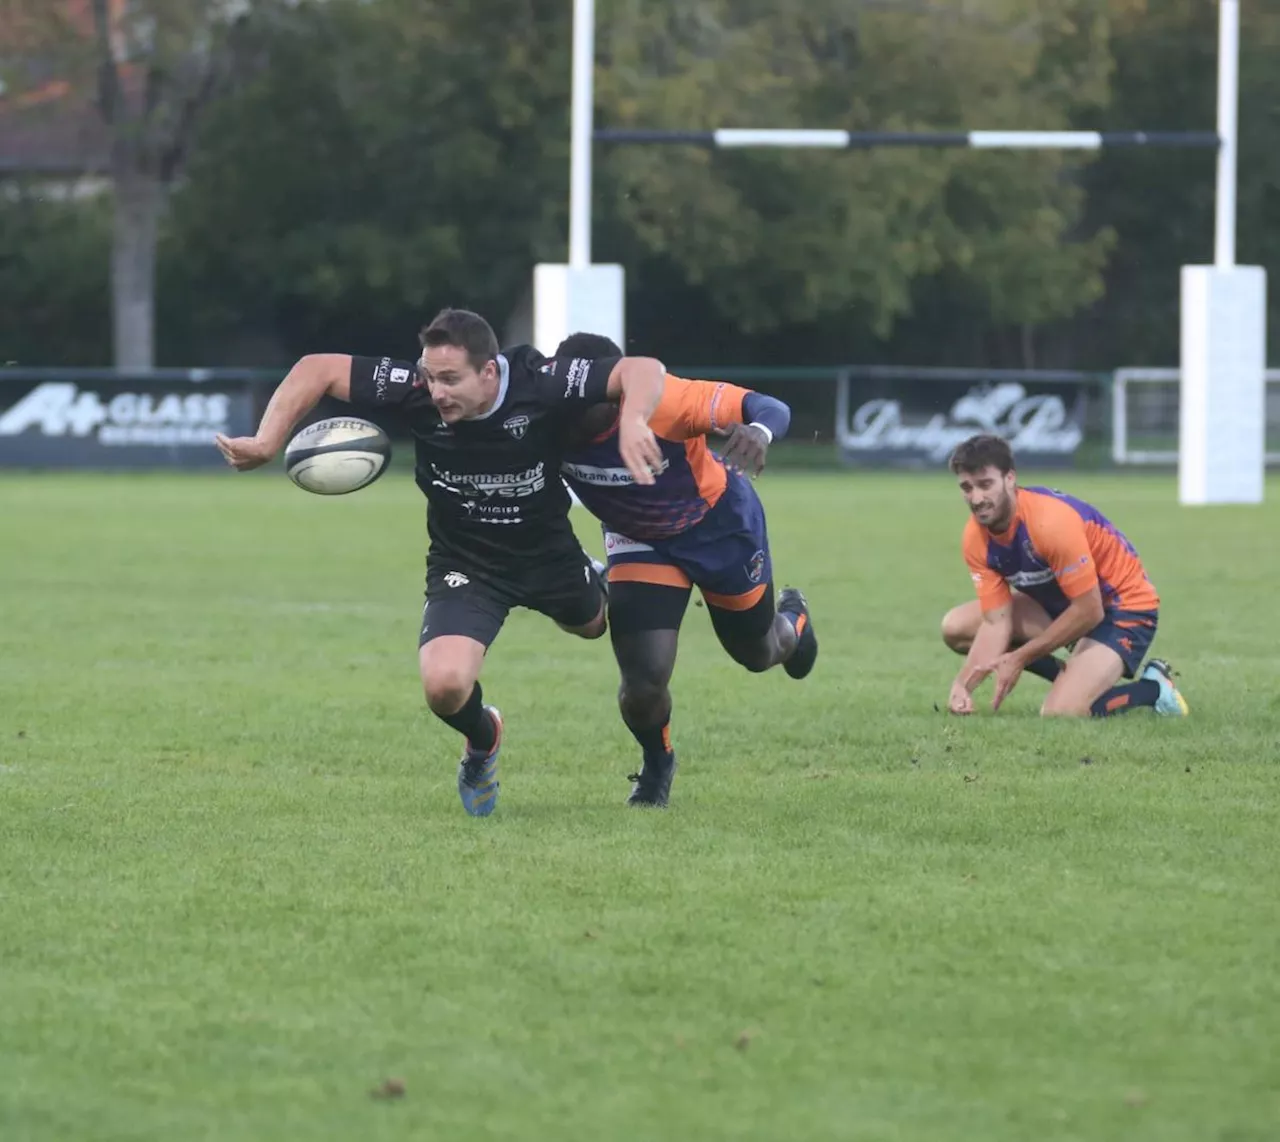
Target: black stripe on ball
pixel 371 445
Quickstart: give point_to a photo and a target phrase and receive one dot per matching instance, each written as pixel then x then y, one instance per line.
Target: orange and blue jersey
pixel 698 522
pixel 1056 549
pixel 692 478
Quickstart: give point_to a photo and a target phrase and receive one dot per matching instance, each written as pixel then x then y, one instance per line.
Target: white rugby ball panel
pixel 335 474
pixel 337 430
pixel 339 455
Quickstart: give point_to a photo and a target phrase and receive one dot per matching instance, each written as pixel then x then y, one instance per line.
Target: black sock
pixel 1130 696
pixel 1046 667
pixel 655 741
pixel 472 722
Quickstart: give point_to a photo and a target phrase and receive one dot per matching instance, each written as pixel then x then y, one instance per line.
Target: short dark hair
pixel 464 329
pixel 982 451
pixel 590 345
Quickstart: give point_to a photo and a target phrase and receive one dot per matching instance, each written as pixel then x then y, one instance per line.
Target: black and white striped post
pixel 729 138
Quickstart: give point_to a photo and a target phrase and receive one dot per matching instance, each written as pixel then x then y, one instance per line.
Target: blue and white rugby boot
pixel 1171 703
pixel 478 772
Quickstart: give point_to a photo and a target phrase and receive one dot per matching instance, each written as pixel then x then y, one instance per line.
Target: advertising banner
pixel 120 422
pixel 915 420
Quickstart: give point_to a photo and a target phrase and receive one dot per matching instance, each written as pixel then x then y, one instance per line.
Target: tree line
pixel 323 175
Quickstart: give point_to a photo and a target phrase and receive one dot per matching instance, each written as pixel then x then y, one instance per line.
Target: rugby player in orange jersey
pixel 1051 571
pixel 699 523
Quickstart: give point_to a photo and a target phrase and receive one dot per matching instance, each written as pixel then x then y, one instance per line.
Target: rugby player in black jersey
pixel 488 429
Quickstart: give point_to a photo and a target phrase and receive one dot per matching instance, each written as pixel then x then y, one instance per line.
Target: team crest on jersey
pixel 755 568
pixel 517 426
pixel 1029 550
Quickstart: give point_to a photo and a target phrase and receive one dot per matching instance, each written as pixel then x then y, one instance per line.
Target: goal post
pixel 1222 416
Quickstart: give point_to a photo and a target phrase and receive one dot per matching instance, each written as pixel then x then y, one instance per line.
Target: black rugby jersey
pixel 492 483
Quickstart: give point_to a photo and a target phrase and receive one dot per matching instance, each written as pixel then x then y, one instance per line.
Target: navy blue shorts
pixel 1129 634
pixel 725 554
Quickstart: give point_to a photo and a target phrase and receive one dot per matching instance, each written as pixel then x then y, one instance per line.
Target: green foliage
pixel 782 238
pixel 54 308
pixel 392 158
pixel 383 159
pixel 1161 203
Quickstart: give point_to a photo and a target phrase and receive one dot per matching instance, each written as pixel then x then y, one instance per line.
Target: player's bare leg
pixel 450 669
pixel 759 637
pixel 1090 672
pixel 1030 620
pixel 759 653
pixel 1091 685
pixel 644 627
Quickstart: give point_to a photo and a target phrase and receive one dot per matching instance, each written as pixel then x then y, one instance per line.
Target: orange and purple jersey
pixel 692 478
pixel 1056 549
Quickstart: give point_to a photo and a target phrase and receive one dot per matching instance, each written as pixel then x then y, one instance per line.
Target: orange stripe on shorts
pixel 661 574
pixel 735 602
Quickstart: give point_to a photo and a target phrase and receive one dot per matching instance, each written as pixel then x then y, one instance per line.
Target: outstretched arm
pixel 995 632
pixel 1082 614
pixel 991 641
pixel 312 377
pixel 637 382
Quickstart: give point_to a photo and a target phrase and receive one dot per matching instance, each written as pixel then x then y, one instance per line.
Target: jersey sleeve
pixel 576 382
pixel 694 408
pixel 384 382
pixel 992 590
pixel 1059 536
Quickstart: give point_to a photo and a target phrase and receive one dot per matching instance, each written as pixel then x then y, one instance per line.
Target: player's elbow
pixel 637 371
pixel 328 374
pixel 630 368
pixel 1091 608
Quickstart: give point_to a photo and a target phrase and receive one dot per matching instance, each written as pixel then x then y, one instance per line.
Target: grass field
pixel 238 893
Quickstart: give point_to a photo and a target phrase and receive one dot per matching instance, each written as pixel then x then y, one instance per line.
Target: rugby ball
pixel 336 456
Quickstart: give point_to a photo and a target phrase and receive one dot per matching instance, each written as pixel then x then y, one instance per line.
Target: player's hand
pixel 244 452
pixel 746 448
pixel 961 701
pixel 1007 669
pixel 639 448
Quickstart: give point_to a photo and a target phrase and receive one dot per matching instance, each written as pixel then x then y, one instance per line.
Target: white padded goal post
pixel 1222 392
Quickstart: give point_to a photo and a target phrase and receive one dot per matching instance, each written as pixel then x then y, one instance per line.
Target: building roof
pixel 53 127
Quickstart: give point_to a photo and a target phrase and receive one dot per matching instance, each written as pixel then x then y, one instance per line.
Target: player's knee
pixel 592 630
pixel 642 699
pixel 1055 706
pixel 956 630
pixel 756 657
pixel 447 688
pixel 597 626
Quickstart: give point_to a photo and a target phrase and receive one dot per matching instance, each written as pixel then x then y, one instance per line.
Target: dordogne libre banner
pixel 916 421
